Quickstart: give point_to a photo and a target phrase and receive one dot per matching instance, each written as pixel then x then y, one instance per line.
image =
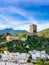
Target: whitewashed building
pixel 23 57
pixel 38 54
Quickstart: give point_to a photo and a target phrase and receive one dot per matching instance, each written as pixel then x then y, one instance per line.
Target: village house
pixel 17 57
pixel 38 54
pixel 23 57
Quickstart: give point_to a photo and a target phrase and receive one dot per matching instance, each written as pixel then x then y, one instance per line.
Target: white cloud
pixel 2 26
pixel 23 25
pixel 4 17
pixel 19 25
pixel 43 26
pixel 13 10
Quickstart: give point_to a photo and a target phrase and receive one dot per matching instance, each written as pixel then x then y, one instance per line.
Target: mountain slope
pixel 44 33
pixel 12 31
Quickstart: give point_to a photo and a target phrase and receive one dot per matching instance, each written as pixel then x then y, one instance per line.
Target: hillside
pixel 44 33
pixel 38 42
pixel 32 42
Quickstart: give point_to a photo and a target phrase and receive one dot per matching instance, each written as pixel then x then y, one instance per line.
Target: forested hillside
pixel 36 42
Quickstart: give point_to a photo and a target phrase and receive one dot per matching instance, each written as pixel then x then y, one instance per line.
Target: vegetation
pixel 29 59
pixel 0 56
pixel 44 33
pixel 36 42
pixel 20 34
pixel 42 62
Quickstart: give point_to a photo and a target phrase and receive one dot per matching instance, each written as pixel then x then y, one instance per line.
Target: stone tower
pixel 33 28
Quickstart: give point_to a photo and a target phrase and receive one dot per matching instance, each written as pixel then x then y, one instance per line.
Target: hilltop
pixel 38 42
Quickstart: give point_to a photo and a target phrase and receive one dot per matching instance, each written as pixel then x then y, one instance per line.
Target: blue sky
pixel 19 14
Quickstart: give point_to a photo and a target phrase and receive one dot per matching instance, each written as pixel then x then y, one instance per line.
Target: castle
pixel 32 28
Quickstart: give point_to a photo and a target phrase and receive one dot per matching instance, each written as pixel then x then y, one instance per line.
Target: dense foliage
pixel 36 42
pixel 20 34
pixel 42 62
pixel 32 42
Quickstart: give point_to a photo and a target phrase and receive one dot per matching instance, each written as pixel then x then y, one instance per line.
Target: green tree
pixel 40 62
pixel 46 63
pixel 0 56
pixel 29 59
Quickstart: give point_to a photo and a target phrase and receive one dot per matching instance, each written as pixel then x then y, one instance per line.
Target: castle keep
pixel 33 28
